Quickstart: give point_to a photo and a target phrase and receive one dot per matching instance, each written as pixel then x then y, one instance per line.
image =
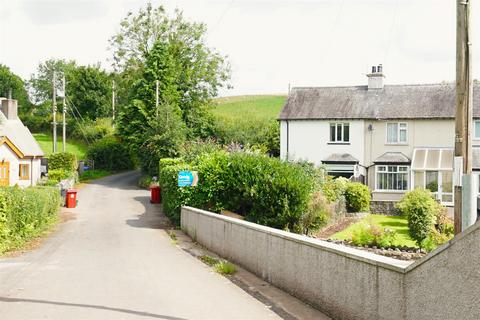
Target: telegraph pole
pixel 464 104
pixel 64 132
pixel 113 102
pixel 54 112
pixel 156 97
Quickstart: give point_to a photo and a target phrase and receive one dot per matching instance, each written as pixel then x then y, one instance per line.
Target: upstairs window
pixel 340 132
pixel 397 132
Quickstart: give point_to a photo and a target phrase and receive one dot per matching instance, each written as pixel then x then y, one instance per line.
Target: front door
pixel 4 173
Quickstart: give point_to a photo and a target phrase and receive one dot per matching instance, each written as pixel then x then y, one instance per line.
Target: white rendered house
pixel 20 154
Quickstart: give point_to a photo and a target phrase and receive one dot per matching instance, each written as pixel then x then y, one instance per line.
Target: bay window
pixel 392 177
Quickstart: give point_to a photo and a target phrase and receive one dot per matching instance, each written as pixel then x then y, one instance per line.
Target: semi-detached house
pixel 393 138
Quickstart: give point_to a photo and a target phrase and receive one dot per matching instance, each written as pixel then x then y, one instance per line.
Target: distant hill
pixel 264 107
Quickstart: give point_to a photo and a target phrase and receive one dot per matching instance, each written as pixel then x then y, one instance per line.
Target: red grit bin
pixel 71 201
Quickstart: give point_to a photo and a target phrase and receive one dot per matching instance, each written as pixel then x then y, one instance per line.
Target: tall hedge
pixel 111 154
pixel 25 213
pixel 62 160
pixel 265 190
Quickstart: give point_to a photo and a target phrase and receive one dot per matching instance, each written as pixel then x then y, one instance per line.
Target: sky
pixel 270 44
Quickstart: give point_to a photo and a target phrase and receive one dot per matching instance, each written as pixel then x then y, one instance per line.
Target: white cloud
pixel 269 43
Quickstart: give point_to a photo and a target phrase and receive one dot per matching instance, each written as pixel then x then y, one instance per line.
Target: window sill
pixel 339 143
pixel 389 191
pixel 396 144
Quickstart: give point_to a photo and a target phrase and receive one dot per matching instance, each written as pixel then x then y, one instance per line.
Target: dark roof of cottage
pixel 341 157
pixel 392 102
pixel 392 157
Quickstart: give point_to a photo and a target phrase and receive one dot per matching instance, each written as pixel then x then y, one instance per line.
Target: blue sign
pixel 187 178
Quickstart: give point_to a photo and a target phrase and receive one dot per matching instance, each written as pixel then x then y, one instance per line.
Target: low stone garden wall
pixel 344 282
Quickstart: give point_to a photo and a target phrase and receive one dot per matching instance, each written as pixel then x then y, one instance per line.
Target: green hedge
pixel 62 161
pixel 26 213
pixel 110 154
pixel 265 190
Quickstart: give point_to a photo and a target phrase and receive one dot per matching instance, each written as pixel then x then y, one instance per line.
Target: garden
pixel 299 197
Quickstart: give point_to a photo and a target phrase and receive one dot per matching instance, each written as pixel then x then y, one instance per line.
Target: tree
pixel 89 90
pixel 197 71
pixel 10 82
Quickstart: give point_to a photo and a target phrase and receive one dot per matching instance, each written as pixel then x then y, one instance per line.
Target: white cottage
pixel 20 154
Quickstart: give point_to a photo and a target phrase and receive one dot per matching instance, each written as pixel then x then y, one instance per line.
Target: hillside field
pixel 46 143
pixel 265 107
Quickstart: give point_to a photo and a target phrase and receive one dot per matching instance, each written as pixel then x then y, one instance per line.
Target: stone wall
pixel 347 283
pixel 384 207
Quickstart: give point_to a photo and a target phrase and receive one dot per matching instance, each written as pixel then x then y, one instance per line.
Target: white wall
pixel 7 155
pixel 309 140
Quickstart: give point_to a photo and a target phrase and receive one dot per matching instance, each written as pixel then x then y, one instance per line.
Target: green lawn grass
pixel 94 174
pixel 397 223
pixel 46 143
pixel 256 106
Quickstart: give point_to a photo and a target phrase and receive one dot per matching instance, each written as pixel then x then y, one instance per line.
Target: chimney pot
pixel 376 78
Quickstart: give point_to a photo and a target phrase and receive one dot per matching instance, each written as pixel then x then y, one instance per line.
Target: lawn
pixel 396 223
pixel 256 106
pixel 94 174
pixel 46 143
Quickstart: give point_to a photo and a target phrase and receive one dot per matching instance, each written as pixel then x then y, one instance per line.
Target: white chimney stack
pixel 376 78
pixel 9 108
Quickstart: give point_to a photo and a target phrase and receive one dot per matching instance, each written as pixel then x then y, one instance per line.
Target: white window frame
pixel 439 193
pixel 399 130
pixel 342 126
pixel 397 172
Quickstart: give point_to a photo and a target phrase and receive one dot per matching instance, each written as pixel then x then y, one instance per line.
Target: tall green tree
pixel 10 82
pixel 89 89
pixel 198 73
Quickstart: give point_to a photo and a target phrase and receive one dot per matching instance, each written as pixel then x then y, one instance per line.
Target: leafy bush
pixel 25 213
pixel 434 239
pixel 371 234
pixel 92 130
pixel 358 197
pixel 110 154
pixel 62 161
pixel 333 189
pixel 317 214
pixel 56 175
pixel 265 190
pixel 421 210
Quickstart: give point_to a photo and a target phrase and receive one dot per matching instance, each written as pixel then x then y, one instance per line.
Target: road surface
pixel 113 260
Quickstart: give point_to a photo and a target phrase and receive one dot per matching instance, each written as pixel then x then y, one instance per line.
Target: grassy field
pixel 257 106
pixel 396 223
pixel 46 142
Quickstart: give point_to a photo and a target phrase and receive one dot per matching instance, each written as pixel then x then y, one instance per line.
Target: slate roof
pixel 392 157
pixel 392 102
pixel 20 136
pixel 341 157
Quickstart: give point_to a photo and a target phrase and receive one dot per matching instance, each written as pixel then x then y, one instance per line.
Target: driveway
pixel 115 260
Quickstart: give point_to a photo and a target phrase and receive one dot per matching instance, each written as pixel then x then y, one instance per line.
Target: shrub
pixel 434 239
pixel 371 234
pixel 93 130
pixel 265 190
pixel 357 196
pixel 421 211
pixel 333 189
pixel 317 214
pixel 25 213
pixel 110 154
pixel 56 175
pixel 62 161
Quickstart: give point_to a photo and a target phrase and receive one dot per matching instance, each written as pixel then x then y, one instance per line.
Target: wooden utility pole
pixel 54 111
pixel 156 97
pixel 464 102
pixel 113 102
pixel 64 114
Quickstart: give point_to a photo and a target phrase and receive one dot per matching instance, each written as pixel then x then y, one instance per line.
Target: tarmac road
pixel 115 260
